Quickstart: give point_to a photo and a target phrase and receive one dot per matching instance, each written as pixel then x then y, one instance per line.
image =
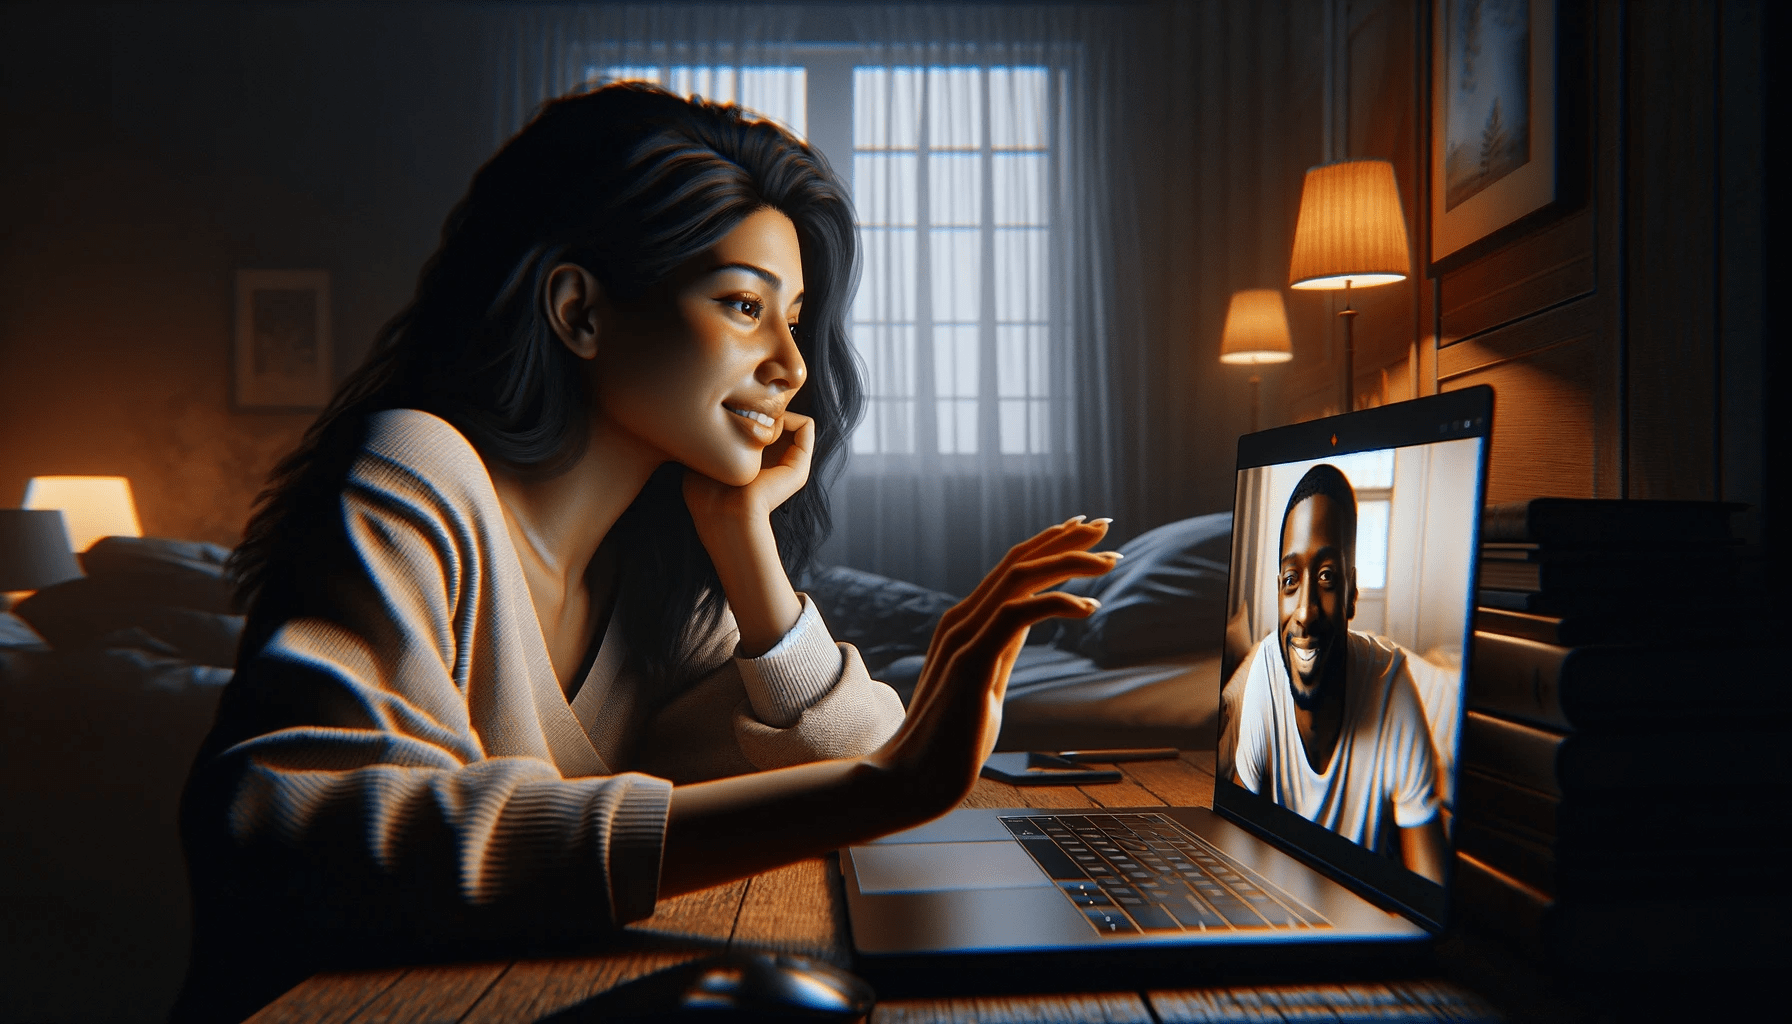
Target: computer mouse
pixel 741 986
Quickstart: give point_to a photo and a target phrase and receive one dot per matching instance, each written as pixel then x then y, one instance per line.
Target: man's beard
pixel 1309 699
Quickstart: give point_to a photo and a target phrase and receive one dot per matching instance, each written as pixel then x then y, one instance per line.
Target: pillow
pixel 92 613
pixel 178 573
pixel 17 635
pixel 1167 597
pixel 884 618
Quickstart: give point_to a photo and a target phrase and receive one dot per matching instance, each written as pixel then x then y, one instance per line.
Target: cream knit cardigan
pixel 401 760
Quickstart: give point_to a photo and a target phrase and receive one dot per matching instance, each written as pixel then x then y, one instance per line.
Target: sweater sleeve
pixel 380 768
pixel 806 699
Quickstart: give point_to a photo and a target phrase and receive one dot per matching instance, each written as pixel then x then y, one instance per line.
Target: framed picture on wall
pixel 283 351
pixel 1493 117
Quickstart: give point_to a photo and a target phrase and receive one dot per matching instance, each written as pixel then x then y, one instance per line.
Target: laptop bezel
pixel 1455 415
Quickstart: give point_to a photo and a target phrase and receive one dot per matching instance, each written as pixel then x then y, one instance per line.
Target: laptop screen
pixel 1353 556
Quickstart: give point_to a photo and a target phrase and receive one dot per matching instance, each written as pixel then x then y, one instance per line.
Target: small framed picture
pixel 1493 118
pixel 283 349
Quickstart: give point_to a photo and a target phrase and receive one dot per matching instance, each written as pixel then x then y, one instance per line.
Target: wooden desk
pixel 797 909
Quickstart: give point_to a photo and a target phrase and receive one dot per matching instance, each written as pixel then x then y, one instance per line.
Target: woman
pixel 522 652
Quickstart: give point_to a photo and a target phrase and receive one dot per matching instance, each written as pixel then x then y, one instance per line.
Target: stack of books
pixel 1627 751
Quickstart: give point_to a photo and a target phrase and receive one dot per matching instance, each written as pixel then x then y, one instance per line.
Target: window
pixel 950 171
pixel 950 175
pixel 1371 476
pixel 780 93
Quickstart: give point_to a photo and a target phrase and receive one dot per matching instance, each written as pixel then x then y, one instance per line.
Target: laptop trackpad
pixel 931 867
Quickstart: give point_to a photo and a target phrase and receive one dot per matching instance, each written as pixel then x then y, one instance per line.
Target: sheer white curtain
pixel 720 51
pixel 979 175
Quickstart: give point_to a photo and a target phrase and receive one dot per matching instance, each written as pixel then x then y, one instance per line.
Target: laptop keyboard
pixel 1133 873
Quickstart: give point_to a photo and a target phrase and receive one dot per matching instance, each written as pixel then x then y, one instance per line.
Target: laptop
pixel 1329 838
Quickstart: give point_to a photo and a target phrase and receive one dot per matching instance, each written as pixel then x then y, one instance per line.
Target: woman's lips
pixel 760 426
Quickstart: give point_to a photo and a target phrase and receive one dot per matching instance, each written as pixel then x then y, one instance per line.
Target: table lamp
pixel 1350 232
pixel 1256 333
pixel 95 506
pixel 34 551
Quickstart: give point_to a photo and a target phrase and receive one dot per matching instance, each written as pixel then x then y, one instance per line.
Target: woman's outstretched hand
pixel 956 710
pixel 770 818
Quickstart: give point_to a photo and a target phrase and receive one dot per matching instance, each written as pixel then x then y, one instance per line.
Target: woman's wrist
pixel 744 552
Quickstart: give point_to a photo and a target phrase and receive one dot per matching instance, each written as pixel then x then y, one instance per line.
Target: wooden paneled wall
pixel 1622 329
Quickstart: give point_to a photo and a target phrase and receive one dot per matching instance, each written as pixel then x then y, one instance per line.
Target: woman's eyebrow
pixel 763 274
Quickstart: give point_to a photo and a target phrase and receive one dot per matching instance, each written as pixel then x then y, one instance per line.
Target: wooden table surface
pixel 798 909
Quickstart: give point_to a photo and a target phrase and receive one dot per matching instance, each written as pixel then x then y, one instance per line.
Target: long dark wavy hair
pixel 627 181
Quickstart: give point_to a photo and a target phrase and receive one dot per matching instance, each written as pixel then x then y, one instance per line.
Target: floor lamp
pixel 1256 333
pixel 1350 232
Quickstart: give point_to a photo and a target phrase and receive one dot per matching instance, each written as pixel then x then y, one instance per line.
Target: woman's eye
pixel 747 307
pixel 793 329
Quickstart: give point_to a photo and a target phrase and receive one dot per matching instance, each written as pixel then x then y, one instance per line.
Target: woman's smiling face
pixel 701 370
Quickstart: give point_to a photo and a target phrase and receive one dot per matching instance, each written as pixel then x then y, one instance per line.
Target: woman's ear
pixel 576 308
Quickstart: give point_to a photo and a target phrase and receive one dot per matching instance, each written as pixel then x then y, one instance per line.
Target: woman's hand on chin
pixel 784 469
pixel 956 711
pixel 735 526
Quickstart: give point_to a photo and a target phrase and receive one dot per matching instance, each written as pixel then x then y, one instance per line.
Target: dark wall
pixel 1624 329
pixel 153 150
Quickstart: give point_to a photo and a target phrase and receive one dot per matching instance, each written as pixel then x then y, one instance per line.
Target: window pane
pixel 956 357
pixel 888 353
pixel 1372 544
pixel 1023 426
pixel 1020 188
pixel 953 254
pixel 1020 270
pixel 958 426
pixel 623 73
pixel 710 83
pixel 886 108
pixel 1020 361
pixel 773 92
pixel 884 187
pixel 887 290
pixel 1367 470
pixel 888 426
pixel 954 109
pixel 1017 108
pixel 954 189
pixel 779 93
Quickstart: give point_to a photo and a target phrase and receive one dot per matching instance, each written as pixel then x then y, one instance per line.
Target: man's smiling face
pixel 1316 588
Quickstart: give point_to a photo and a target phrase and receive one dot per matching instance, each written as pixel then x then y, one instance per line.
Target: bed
pixel 108 683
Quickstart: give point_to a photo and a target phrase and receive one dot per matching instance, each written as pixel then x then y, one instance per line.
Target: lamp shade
pixel 1256 328
pixel 34 549
pixel 1351 230
pixel 95 506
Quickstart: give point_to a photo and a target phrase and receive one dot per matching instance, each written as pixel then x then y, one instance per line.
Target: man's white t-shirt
pixel 1383 760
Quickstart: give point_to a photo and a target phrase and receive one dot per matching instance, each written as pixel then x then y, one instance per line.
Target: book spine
pixel 1501 904
pixel 1519 678
pixel 1512 751
pixel 1545 629
pixel 1484 798
pixel 1526 859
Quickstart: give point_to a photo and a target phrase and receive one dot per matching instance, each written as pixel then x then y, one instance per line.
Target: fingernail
pixel 1115 554
pixel 1093 602
pixel 1103 521
pixel 1073 520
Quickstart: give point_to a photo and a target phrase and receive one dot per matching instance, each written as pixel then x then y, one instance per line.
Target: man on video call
pixel 1329 722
